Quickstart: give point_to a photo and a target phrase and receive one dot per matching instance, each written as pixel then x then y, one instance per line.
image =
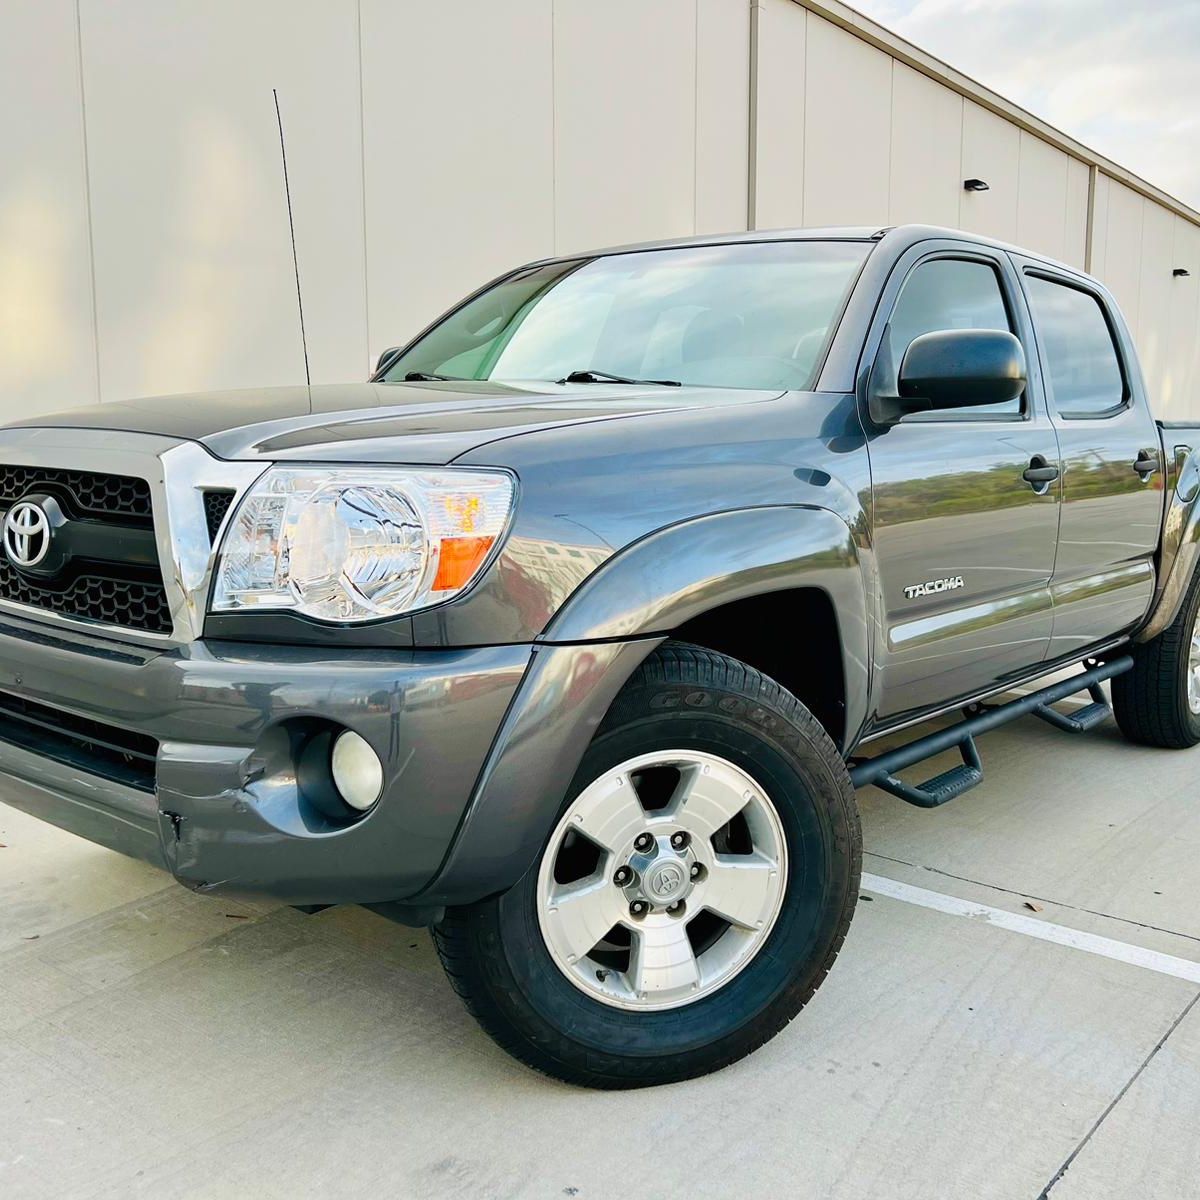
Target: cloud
pixel 1122 78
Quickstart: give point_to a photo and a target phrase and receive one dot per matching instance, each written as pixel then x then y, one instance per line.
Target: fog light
pixel 357 771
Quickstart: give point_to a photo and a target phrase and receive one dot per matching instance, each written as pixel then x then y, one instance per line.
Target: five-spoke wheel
pixel 663 878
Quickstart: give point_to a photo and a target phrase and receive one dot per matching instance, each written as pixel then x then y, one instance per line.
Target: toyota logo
pixel 26 534
pixel 666 879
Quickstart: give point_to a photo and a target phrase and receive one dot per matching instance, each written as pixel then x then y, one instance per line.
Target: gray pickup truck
pixel 569 634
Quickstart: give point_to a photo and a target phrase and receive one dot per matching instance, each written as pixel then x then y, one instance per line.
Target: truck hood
pixel 430 423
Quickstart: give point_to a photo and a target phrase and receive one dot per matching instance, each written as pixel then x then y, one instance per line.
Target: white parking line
pixel 1047 931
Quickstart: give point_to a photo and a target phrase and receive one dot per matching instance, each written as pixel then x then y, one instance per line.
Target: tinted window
pixel 1078 353
pixel 946 293
pixel 753 315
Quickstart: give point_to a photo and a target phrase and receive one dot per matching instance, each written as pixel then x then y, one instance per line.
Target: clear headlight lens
pixel 359 543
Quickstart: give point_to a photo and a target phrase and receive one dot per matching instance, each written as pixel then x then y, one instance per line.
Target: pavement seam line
pixel 1047 931
pixel 1162 1041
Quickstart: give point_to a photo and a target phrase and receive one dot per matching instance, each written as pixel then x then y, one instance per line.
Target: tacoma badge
pixel 933 585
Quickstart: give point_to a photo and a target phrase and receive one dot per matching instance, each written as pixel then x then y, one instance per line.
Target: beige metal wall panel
pixel 722 114
pixel 926 153
pixel 624 121
pixel 1180 395
pixel 458 116
pixel 991 151
pixel 779 116
pixel 1155 294
pixel 193 261
pixel 847 128
pixel 47 338
pixel 1042 197
pixel 1120 267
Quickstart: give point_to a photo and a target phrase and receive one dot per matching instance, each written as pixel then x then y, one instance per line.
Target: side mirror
pixel 954 368
pixel 383 359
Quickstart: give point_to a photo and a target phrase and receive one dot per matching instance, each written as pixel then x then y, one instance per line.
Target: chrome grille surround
pixel 179 474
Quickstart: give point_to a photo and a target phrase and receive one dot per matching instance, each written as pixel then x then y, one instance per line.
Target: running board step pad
pixel 936 791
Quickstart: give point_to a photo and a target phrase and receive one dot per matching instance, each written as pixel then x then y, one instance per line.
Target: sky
pixel 1121 76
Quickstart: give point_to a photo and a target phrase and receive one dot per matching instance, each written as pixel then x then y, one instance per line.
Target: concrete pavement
pixel 155 1043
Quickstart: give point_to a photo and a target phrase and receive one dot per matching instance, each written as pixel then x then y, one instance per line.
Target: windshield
pixel 750 315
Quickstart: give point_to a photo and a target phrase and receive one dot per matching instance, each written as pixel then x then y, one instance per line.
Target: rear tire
pixel 720 986
pixel 1158 702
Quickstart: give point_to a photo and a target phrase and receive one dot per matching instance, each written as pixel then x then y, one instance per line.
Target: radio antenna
pixel 287 191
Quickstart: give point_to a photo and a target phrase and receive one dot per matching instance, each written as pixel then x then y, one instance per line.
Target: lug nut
pixel 623 876
pixel 696 870
pixel 679 840
pixel 637 908
pixel 676 908
pixel 643 842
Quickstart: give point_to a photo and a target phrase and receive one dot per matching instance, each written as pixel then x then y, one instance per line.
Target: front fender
pixel 599 638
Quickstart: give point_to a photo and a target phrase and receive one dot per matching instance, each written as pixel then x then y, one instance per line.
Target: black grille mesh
pixel 133 604
pixel 94 494
pixel 95 592
pixel 216 505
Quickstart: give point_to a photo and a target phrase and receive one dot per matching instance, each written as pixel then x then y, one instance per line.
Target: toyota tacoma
pixel 571 633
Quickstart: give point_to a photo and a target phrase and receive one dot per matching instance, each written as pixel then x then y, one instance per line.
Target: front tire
pixel 690 900
pixel 1157 703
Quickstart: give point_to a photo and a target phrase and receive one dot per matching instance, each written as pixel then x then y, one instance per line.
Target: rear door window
pixel 1079 354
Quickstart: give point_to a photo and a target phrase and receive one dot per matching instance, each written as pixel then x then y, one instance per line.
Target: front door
pixel 1112 469
pixel 965 501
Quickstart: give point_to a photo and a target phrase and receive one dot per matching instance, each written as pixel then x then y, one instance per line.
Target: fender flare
pixel 1180 551
pixel 615 620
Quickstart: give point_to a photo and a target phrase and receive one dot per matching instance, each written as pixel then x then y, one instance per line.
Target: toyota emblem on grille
pixel 26 534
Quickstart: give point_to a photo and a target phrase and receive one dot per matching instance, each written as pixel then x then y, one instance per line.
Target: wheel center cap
pixel 666 881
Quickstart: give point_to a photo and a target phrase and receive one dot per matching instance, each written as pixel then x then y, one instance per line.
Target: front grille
pixel 129 603
pixel 100 749
pixel 106 582
pixel 89 493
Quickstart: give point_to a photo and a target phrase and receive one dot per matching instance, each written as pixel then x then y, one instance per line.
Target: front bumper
pixel 227 814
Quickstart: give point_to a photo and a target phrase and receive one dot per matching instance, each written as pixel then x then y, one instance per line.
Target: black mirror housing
pixel 383 359
pixel 954 368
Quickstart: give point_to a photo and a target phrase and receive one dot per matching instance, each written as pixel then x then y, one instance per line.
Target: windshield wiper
pixel 607 377
pixel 426 377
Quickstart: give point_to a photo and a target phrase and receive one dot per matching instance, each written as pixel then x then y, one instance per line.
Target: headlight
pixel 359 543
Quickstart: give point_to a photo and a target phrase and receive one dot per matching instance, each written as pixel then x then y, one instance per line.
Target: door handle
pixel 1147 464
pixel 1039 474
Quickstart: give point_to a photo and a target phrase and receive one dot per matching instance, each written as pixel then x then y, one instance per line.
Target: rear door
pixel 964 542
pixel 1112 466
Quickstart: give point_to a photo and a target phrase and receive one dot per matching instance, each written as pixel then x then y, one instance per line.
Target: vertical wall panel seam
pixel 362 152
pixel 752 114
pixel 1089 226
pixel 87 200
pixel 553 132
pixel 695 116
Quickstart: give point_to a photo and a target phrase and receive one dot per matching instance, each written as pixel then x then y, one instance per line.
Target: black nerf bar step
pixel 881 770
pixel 1082 719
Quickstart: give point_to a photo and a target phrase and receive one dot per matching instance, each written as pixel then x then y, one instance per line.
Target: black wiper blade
pixel 426 377
pixel 607 377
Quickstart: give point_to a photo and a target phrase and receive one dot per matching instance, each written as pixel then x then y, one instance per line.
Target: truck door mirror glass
pixel 956 368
